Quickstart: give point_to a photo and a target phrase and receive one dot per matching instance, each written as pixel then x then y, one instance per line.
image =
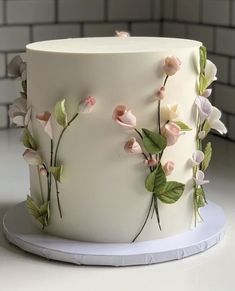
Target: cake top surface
pixel 112 45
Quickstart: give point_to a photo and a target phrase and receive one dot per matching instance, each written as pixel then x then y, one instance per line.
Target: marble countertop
pixel 209 271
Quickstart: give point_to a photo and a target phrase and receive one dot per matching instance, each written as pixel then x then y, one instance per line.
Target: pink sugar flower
pixel 204 107
pixel 87 105
pixel 132 146
pixel 45 119
pixel 160 94
pixel 200 178
pixel 168 168
pixel 171 66
pixel 151 162
pixel 172 132
pixel 124 117
pixel 32 157
pixel 122 33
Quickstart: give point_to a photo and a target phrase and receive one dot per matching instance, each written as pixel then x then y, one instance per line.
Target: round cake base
pixel 20 231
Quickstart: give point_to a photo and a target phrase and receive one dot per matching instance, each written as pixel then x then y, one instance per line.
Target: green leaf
pixel 170 192
pixel 199 197
pixel 206 127
pixel 203 57
pixel 60 113
pixel 153 142
pixel 183 126
pixel 155 179
pixel 57 172
pixel 40 213
pixel 203 83
pixel 28 140
pixel 207 158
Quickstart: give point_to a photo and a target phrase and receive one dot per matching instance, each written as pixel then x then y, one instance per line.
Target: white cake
pixel 102 193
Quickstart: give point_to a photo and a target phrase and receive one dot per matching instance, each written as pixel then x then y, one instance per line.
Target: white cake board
pixel 20 231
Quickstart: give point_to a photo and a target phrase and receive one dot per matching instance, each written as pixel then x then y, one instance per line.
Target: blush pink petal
pixel 32 157
pixel 45 119
pixel 172 132
pixel 168 168
pixel 87 105
pixel 132 146
pixel 171 66
pixel 160 94
pixel 124 117
pixel 122 33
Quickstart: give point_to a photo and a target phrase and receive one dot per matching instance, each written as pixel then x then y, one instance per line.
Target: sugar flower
pixel 171 112
pixel 168 168
pixel 32 157
pixel 151 162
pixel 160 93
pixel 201 134
pixel 18 112
pixel 132 146
pixel 204 107
pixel 200 178
pixel 197 157
pixel 172 65
pixel 207 93
pixel 124 117
pixel 87 105
pixel 122 33
pixel 172 132
pixel 215 122
pixel 210 72
pixel 43 171
pixel 45 119
pixel 17 68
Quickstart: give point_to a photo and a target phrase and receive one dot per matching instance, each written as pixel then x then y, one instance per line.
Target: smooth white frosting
pixel 103 196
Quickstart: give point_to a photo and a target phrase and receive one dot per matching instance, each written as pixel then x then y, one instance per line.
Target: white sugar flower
pixel 204 107
pixel 17 68
pixel 200 178
pixel 215 122
pixel 210 72
pixel 171 112
pixel 18 112
pixel 197 157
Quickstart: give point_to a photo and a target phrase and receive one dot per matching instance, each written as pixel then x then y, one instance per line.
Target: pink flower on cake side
pixel 151 162
pixel 204 107
pixel 87 105
pixel 43 171
pixel 122 33
pixel 160 93
pixel 132 146
pixel 200 178
pixel 45 119
pixel 17 68
pixel 171 66
pixel 171 131
pixel 32 157
pixel 124 117
pixel 168 168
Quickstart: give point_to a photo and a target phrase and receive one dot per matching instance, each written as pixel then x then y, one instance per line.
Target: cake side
pixel 104 194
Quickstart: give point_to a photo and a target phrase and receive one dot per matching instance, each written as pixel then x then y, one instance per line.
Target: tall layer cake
pixel 113 131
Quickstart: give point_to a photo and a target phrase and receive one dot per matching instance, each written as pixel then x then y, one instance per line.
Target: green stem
pixel 146 219
pixel 157 212
pixel 60 137
pixel 58 198
pixel 40 184
pixel 166 78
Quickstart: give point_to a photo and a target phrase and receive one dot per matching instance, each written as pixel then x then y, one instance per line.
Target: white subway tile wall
pixel 211 21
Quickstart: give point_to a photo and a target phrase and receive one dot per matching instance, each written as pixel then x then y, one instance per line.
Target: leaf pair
pixel 199 198
pixel 40 213
pixel 57 172
pixel 167 192
pixel 154 143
